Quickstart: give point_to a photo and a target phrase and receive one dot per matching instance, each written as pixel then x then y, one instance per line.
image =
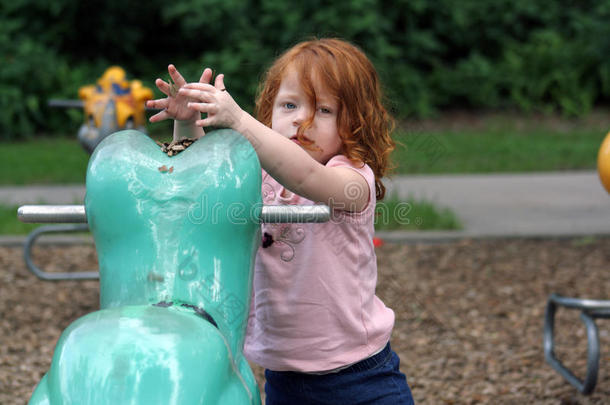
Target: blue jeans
pixel 376 380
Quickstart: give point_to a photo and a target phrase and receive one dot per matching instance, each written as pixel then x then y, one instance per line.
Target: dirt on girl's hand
pixel 173 88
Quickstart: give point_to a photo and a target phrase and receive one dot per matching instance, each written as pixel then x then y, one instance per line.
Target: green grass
pixel 410 215
pixel 50 160
pixel 496 150
pixel 43 161
pixel 10 225
pixel 499 148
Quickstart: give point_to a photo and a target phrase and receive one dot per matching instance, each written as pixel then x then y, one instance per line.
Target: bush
pixel 431 55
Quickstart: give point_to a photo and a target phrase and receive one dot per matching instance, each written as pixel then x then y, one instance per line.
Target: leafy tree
pixel 524 54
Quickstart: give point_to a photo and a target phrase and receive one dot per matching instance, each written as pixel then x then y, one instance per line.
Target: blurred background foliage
pixel 528 55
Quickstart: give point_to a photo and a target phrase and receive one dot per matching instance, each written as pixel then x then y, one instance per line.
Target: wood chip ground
pixel 469 317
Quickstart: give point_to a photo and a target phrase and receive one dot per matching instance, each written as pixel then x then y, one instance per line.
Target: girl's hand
pixel 175 105
pixel 215 101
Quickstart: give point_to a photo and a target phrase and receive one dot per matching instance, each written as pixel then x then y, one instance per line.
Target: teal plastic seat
pixel 176 239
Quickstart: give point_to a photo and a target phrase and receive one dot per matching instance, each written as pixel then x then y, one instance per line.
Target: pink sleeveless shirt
pixel 314 306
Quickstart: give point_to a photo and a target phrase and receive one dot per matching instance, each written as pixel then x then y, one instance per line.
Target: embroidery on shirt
pixel 284 234
pixel 287 236
pixel 290 236
pixel 268 193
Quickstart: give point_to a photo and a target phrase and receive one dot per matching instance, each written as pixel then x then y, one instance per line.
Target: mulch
pixel 469 316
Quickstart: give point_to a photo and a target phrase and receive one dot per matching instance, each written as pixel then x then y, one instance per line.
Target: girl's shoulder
pixel 360 167
pixel 365 171
pixel 342 160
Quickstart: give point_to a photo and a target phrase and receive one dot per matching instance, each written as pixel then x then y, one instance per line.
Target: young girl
pixel 322 136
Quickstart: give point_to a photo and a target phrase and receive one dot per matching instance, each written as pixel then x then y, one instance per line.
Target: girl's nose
pixel 301 115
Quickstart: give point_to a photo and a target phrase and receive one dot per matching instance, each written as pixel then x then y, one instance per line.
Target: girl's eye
pixel 325 110
pixel 290 106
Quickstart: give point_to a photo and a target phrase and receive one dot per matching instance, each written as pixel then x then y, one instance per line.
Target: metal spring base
pixel 44 275
pixel 591 309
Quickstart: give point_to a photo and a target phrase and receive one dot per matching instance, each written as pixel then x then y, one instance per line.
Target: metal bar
pixel 580 303
pixel 587 385
pixel 44 275
pixel 66 103
pixel 270 213
pixel 52 214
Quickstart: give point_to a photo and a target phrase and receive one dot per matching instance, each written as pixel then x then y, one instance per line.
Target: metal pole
pixel 269 214
pixel 52 214
pixel 272 214
pixel 76 214
pixel 591 309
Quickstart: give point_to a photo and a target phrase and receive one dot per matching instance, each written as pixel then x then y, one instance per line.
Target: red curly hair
pixel 363 123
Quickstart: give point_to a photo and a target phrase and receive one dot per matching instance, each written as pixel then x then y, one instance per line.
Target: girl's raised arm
pixel 175 106
pixel 340 187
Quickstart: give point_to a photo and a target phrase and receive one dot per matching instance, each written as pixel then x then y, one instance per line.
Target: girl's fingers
pixel 207 122
pixel 219 83
pixel 204 107
pixel 163 86
pixel 206 76
pixel 163 115
pixel 199 86
pixel 176 76
pixel 198 95
pixel 159 103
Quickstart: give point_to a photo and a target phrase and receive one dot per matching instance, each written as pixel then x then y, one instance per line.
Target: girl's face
pixel 291 108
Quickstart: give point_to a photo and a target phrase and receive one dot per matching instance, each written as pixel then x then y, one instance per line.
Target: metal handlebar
pixel 52 214
pixel 274 214
pixel 270 214
pixel 76 219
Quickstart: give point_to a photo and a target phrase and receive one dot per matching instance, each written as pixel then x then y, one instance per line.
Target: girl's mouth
pixel 307 143
pixel 295 139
